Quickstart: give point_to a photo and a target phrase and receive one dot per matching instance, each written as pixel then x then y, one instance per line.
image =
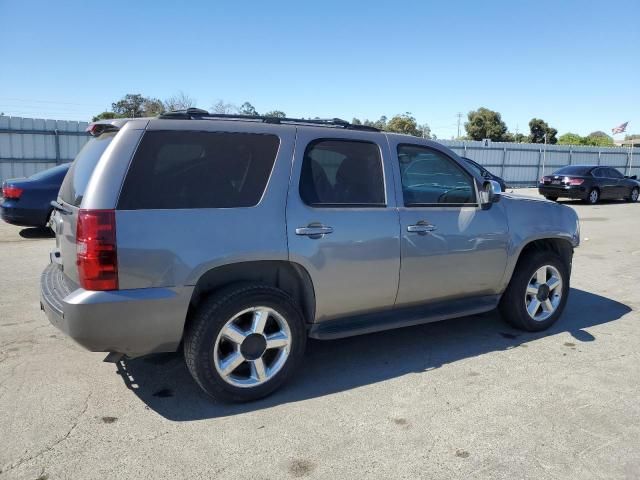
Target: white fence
pixel 521 164
pixel 28 145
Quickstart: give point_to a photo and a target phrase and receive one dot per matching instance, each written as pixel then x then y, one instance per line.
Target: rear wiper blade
pixel 61 208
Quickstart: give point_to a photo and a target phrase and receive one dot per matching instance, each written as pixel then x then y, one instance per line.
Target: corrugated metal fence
pixel 521 164
pixel 28 145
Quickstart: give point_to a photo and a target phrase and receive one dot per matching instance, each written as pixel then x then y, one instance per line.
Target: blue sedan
pixel 27 201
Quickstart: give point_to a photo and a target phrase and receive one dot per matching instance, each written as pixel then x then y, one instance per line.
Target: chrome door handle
pixel 314 231
pixel 421 228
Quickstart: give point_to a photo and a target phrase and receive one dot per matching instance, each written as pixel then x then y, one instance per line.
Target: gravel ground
pixel 466 398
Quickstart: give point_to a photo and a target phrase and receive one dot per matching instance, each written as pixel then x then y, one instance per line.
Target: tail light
pixel 97 256
pixel 573 181
pixel 11 192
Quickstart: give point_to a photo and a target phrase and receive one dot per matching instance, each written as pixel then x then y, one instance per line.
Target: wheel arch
pixel 288 276
pixel 559 245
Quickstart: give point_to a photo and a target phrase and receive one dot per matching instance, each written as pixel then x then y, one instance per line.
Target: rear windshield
pixel 75 183
pixel 182 169
pixel 573 170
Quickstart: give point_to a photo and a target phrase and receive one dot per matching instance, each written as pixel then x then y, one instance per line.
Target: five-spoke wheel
pixel 544 293
pixel 252 347
pixel 244 341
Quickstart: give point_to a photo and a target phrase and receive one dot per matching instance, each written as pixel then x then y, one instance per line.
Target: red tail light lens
pixel 97 256
pixel 11 192
pixel 574 181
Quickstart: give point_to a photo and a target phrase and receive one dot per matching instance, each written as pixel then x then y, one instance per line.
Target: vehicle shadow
pixel 36 232
pixel 163 383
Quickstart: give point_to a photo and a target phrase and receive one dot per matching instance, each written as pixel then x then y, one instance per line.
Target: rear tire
pixel 234 355
pixel 535 298
pixel 633 195
pixel 593 197
pixel 553 199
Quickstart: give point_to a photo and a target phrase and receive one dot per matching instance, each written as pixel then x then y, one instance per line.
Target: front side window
pixel 182 169
pixel 342 173
pixel 431 178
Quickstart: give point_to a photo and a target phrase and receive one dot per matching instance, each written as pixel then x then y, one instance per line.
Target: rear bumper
pixel 133 322
pixel 24 217
pixel 565 191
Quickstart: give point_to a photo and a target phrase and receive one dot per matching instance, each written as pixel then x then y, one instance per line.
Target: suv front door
pixel 450 247
pixel 342 222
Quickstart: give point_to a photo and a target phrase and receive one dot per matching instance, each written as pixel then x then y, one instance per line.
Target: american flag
pixel 619 128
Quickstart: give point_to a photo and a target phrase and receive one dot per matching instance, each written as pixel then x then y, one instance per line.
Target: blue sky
pixel 576 64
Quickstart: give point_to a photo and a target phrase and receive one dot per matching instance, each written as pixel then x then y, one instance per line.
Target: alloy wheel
pixel 252 347
pixel 544 293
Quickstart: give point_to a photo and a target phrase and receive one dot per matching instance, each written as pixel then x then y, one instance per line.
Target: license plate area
pixel 556 182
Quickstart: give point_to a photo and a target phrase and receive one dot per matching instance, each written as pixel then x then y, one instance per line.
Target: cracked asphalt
pixel 466 398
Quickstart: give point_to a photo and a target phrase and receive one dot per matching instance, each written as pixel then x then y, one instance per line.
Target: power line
pixel 459 115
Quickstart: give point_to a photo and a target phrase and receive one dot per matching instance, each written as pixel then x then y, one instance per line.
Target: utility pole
pixel 459 115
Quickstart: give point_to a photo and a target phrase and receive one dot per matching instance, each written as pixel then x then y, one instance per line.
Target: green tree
pixel 404 123
pixel 105 116
pixel 539 128
pixel 485 123
pixel 356 121
pixel 570 139
pixel 598 138
pixel 129 106
pixel 152 107
pixel 247 109
pixel 275 114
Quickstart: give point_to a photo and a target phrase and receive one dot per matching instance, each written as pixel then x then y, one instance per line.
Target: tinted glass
pixel 573 170
pixel 342 173
pixel 475 167
pixel 430 177
pixel 77 179
pixel 614 173
pixel 182 169
pixel 51 174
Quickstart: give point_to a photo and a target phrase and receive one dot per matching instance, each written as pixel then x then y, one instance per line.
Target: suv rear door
pixel 342 224
pixel 450 246
pixel 69 200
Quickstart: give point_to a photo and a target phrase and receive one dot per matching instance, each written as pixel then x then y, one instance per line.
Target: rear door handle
pixel 314 231
pixel 421 227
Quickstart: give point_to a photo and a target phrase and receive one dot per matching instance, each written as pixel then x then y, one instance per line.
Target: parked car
pixel 27 201
pixel 484 173
pixel 590 183
pixel 237 238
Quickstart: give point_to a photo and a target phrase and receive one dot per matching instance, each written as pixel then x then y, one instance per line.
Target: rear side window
pixel 77 178
pixel 182 169
pixel 614 173
pixel 342 173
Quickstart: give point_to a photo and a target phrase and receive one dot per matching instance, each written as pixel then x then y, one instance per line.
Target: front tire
pixel 245 342
pixel 537 292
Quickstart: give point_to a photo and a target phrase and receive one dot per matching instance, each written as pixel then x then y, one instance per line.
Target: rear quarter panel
pixel 165 248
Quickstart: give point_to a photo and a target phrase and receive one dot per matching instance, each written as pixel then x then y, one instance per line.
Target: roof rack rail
pixel 199 114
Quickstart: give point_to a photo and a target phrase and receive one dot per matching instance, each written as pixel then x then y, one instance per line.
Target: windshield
pixel 51 173
pixel 76 181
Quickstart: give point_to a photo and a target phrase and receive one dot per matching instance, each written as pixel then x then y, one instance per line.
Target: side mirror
pixel 490 193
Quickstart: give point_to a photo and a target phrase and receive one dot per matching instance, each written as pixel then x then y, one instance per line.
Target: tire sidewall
pixel 591 202
pixel 637 190
pixel 213 316
pixel 516 307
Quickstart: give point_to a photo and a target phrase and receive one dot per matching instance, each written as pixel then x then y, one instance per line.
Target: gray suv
pixel 234 239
